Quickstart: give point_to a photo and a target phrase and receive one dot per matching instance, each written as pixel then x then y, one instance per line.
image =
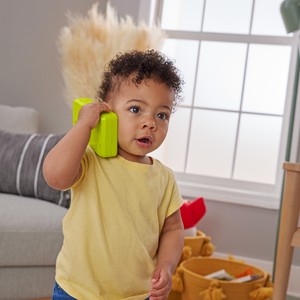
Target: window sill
pixel 262 199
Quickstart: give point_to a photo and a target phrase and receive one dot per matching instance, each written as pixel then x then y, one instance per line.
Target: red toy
pixel 192 211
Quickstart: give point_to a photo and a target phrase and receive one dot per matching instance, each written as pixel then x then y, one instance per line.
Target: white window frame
pixel 229 190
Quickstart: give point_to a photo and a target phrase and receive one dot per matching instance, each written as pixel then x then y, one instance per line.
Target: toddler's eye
pixel 135 109
pixel 163 116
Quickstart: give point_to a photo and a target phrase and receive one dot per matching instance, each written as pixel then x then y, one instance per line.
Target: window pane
pixel 257 151
pixel 267 19
pixel 182 15
pixel 211 132
pixel 237 71
pixel 173 151
pixel 220 75
pixel 231 16
pixel 177 49
pixel 266 79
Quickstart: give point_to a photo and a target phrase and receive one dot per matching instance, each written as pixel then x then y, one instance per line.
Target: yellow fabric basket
pixel 189 280
pixel 199 245
pixel 194 246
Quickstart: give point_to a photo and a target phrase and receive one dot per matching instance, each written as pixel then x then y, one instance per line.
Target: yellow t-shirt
pixel 112 229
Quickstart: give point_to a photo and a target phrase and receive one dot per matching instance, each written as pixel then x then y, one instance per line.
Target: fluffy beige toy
pixel 88 43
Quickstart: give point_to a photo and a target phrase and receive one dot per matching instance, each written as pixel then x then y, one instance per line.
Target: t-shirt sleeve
pixel 172 192
pixel 85 161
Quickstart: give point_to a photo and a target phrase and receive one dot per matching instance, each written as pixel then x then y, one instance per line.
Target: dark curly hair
pixel 150 64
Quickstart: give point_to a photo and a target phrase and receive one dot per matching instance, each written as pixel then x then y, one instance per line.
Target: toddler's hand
pixel 89 114
pixel 161 283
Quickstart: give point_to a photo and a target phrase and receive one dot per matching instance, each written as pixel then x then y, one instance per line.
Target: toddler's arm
pixel 169 252
pixel 61 166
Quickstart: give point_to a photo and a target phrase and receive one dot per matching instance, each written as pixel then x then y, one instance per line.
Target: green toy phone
pixel 104 137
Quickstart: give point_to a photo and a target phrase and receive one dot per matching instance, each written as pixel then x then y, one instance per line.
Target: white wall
pixel 29 61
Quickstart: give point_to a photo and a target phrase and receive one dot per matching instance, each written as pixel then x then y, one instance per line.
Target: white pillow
pixel 18 119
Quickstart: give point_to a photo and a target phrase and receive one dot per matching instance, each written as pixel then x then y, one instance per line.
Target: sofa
pixel 31 212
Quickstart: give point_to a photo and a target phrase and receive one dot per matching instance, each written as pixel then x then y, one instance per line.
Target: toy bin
pixel 189 280
pixel 200 244
pixel 194 246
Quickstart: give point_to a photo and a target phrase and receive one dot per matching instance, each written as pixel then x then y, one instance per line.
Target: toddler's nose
pixel 150 123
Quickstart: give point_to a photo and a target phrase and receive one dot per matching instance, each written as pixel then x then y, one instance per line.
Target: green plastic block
pixel 104 137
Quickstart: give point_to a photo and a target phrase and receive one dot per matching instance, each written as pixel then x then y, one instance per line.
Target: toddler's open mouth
pixel 144 141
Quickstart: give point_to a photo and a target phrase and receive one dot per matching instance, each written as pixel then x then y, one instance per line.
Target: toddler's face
pixel 144 112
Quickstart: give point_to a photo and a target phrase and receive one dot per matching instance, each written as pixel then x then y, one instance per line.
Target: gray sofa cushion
pixel 21 161
pixel 30 231
pixel 18 119
pixel 19 283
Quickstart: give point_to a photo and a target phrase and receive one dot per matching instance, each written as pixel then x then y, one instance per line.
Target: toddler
pixel 123 234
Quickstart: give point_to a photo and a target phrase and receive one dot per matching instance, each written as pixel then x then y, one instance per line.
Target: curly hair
pixel 150 64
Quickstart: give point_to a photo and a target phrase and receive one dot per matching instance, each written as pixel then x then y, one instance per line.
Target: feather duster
pixel 88 43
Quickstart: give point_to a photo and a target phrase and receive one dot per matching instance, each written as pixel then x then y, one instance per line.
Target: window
pixel 228 138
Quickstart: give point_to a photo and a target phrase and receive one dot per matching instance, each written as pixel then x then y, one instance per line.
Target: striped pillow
pixel 21 160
